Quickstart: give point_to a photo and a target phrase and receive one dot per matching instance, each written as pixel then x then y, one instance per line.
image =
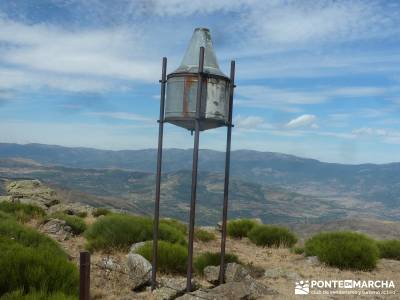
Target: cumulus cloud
pixel 301 121
pixel 248 122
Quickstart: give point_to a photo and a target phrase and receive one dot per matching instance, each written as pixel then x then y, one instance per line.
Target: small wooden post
pixel 84 273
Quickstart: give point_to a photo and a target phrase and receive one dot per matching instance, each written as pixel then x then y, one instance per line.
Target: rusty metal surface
pixel 181 102
pixel 180 107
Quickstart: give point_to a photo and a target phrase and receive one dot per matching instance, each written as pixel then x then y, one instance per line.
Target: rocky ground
pixel 265 274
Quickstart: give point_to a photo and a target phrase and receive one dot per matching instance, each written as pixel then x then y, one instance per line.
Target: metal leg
pixel 84 275
pixel 194 172
pixel 227 168
pixel 158 176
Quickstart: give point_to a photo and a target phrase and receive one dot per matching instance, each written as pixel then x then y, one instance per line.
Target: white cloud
pixel 248 122
pixel 388 135
pixel 187 8
pixel 301 121
pixel 49 56
pixel 311 22
pixel 122 116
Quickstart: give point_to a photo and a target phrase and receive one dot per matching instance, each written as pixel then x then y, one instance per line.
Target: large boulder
pixel 211 274
pixel 136 246
pixel 5 199
pixel 56 228
pixel 170 288
pixel 233 272
pixel 280 272
pixel 32 192
pixel 139 270
pixel 75 209
pixel 238 285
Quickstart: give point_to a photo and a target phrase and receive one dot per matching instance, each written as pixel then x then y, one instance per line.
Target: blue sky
pixel 317 79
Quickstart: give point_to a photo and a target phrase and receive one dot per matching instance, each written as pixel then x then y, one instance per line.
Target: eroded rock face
pixel 211 274
pixel 5 199
pixel 139 270
pixel 279 272
pixel 170 288
pixel 238 285
pixel 57 229
pixel 235 272
pixel 32 192
pixel 136 246
pixel 74 209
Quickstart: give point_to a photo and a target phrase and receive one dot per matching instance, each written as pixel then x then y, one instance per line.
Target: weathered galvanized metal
pixel 182 84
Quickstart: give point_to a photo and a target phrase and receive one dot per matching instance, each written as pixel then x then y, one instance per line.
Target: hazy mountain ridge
pixel 134 191
pixel 365 182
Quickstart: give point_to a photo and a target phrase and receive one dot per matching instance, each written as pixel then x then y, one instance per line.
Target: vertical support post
pixel 156 220
pixel 84 274
pixel 227 168
pixel 194 170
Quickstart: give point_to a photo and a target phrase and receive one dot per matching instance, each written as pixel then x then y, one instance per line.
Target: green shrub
pixel 119 231
pixel 82 214
pixel 345 250
pixel 272 236
pixel 240 228
pixel 30 261
pixel 76 223
pixel 101 211
pixel 22 212
pixel 176 224
pixel 28 237
pixel 389 249
pixel 42 295
pixel 172 258
pixel 203 235
pixel 212 259
pixel 297 250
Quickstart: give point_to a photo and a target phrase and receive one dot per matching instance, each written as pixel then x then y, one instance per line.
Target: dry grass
pixel 112 285
pixel 282 258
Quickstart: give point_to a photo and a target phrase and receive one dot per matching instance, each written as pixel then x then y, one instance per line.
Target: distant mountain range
pixel 276 187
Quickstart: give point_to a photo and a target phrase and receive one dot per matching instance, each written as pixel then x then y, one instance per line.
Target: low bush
pixel 30 261
pixel 82 214
pixel 76 223
pixel 212 259
pixel 389 249
pixel 240 228
pixel 297 250
pixel 172 258
pixel 41 295
pixel 345 250
pixel 120 231
pixel 22 212
pixel 101 211
pixel 203 235
pixel 178 225
pixel 272 236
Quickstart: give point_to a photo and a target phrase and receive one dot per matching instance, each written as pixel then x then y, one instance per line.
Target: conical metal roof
pixel 201 38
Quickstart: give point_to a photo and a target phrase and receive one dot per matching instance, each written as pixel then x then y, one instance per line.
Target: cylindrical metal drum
pixel 180 104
